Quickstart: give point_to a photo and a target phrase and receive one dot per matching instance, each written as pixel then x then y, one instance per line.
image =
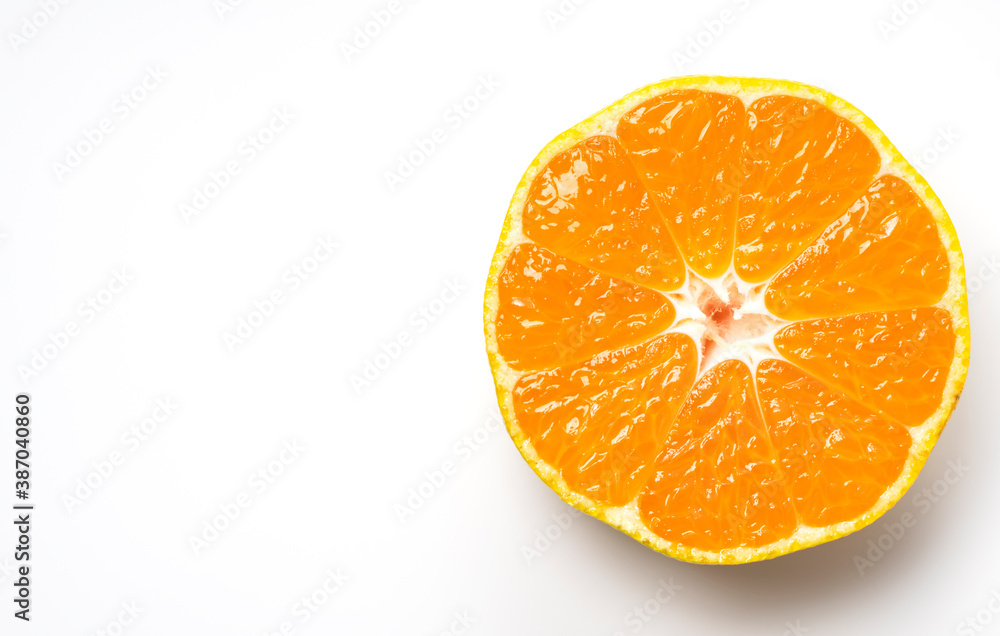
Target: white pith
pixel 749 313
pixel 691 320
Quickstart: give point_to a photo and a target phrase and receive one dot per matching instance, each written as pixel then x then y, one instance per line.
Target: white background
pixel 466 551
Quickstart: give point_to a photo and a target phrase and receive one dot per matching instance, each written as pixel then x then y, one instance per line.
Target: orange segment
pixel 839 456
pixel 895 362
pixel 803 165
pixel 602 423
pixel 554 311
pixel 717 484
pixel 884 253
pixel 686 147
pixel 588 205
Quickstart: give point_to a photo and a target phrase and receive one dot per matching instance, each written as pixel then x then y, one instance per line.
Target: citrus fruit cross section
pixel 726 317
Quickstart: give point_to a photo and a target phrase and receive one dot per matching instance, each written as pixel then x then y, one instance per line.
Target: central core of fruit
pixel 728 320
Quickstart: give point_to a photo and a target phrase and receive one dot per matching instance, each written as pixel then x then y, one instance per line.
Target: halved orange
pixel 726 317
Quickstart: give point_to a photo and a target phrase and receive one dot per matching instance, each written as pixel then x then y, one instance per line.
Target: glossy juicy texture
pixel 883 253
pixel 612 397
pixel 603 422
pixel 686 146
pixel 896 362
pixel 837 455
pixel 717 483
pixel 803 166
pixel 589 206
pixel 555 312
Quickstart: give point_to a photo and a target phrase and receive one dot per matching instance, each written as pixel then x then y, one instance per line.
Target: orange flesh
pixel 717 483
pixel 839 455
pixel 589 206
pixel 604 421
pixel 785 191
pixel 686 147
pixel 803 166
pixel 896 362
pixel 554 311
pixel 884 253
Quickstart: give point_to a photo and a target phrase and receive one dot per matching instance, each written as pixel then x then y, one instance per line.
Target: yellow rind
pixel 626 519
